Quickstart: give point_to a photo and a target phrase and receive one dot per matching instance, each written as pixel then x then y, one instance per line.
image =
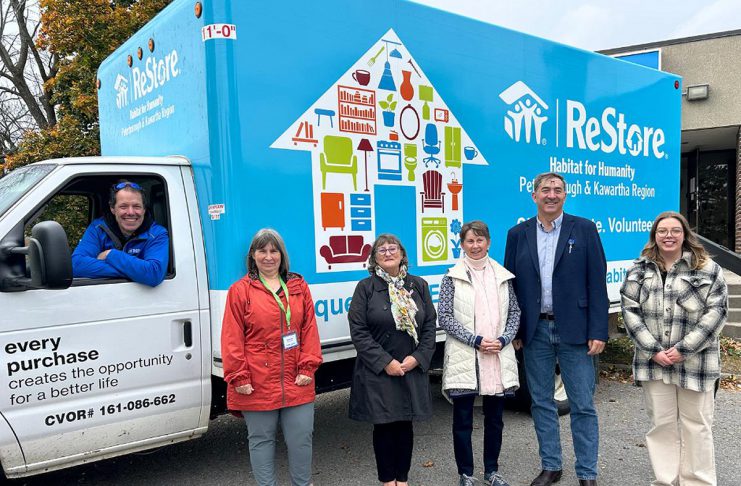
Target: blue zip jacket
pixel 142 259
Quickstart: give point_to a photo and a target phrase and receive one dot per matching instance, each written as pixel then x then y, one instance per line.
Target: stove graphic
pixel 389 160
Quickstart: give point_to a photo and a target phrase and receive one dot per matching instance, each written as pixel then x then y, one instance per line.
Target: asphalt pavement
pixel 343 454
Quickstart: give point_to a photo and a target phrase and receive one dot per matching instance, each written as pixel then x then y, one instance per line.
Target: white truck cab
pixel 104 366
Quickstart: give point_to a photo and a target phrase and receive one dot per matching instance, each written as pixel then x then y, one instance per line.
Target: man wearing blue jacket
pixel 127 243
pixel 560 268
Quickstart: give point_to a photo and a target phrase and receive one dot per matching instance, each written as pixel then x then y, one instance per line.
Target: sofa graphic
pixel 346 249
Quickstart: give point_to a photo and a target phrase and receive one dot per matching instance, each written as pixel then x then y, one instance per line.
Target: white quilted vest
pixel 459 370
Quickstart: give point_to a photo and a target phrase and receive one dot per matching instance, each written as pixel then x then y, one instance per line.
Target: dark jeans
pixel 393 444
pixel 463 426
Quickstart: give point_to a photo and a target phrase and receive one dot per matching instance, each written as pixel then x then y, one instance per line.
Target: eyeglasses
pixel 389 250
pixel 132 185
pixel 674 232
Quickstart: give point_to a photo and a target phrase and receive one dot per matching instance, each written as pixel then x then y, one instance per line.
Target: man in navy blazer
pixel 560 270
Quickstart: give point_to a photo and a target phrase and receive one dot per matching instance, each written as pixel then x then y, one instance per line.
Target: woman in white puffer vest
pixel 478 310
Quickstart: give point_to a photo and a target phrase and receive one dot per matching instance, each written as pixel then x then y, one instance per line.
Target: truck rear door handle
pixel 188 334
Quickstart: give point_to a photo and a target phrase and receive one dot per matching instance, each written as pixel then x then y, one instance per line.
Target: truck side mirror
pixel 49 257
pixel 55 257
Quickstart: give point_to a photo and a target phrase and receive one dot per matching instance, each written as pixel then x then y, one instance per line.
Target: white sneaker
pixel 494 479
pixel 466 481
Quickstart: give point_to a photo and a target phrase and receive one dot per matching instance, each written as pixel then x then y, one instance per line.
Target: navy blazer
pixel 580 302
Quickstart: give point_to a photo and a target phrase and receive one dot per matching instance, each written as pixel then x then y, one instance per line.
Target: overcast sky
pixel 603 24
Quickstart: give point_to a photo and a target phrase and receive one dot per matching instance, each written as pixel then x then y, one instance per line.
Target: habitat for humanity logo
pixel 525 113
pixel 122 91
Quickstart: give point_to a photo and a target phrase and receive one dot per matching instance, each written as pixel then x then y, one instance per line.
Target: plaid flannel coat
pixel 687 312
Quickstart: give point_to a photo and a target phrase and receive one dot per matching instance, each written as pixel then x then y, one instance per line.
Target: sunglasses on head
pixel 132 185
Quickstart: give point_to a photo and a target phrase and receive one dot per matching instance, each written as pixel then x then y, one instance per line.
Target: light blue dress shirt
pixel 547 241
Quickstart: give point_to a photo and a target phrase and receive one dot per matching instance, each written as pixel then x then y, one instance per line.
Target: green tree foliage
pixel 81 33
pixel 69 137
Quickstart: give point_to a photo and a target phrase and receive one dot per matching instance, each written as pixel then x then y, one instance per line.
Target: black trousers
pixel 393 444
pixel 463 426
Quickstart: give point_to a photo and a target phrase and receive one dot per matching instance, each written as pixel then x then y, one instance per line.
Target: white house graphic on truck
pixel 382 123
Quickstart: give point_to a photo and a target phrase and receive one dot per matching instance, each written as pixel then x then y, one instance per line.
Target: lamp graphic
pixel 425 94
pixel 365 146
pixel 387 79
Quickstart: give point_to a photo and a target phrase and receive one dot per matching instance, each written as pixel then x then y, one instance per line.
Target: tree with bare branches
pixel 25 98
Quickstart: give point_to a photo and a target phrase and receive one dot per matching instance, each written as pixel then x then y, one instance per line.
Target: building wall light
pixel 697 92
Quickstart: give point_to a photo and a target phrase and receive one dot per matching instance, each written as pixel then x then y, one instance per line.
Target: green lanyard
pixel 286 310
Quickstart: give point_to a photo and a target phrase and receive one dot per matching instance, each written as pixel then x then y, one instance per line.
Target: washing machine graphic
pixel 434 239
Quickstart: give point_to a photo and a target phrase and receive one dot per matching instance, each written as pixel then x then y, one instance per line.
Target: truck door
pixel 106 366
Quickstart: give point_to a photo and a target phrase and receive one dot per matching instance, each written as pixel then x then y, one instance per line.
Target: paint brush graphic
pixel 415 68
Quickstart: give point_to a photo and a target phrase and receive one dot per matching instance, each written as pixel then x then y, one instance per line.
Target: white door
pixel 105 367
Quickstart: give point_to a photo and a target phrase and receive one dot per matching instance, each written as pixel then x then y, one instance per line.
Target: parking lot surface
pixel 343 454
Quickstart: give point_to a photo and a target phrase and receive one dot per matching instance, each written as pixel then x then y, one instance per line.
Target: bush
pixel 618 351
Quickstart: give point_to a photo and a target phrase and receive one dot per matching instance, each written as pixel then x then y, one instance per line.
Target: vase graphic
pixel 406 89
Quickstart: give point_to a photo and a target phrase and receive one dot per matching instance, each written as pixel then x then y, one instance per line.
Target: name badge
pixel 290 340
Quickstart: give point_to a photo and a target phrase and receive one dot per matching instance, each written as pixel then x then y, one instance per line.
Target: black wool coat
pixel 375 396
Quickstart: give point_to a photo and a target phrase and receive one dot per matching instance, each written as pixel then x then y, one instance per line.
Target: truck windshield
pixel 18 182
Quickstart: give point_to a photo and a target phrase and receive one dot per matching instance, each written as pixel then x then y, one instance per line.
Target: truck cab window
pixel 72 211
pixel 137 232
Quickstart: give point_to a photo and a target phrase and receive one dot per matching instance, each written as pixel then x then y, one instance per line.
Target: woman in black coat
pixel 392 325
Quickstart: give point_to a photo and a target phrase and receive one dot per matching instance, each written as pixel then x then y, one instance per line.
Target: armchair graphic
pixel 337 157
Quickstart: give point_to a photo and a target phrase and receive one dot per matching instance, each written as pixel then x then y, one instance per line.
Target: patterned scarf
pixel 403 307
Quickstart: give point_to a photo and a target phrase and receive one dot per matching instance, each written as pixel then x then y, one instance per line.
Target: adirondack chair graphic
pixel 432 195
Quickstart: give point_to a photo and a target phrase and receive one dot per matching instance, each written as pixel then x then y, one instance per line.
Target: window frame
pixel 99 203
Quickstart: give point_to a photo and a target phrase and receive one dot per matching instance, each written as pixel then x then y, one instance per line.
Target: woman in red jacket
pixel 270 349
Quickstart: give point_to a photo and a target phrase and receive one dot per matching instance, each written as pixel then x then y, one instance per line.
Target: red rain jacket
pixel 252 345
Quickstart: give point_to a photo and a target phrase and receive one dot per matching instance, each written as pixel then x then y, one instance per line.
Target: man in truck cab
pixel 125 243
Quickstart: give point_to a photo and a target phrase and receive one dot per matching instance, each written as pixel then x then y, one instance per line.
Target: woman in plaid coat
pixel 675 302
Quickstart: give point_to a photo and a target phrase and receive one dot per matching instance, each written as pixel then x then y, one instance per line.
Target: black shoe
pixel 587 482
pixel 546 478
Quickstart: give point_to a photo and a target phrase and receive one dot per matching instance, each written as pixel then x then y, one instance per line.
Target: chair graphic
pixel 432 195
pixel 431 145
pixel 337 157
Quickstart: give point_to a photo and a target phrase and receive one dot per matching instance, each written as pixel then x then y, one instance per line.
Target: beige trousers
pixel 680 441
